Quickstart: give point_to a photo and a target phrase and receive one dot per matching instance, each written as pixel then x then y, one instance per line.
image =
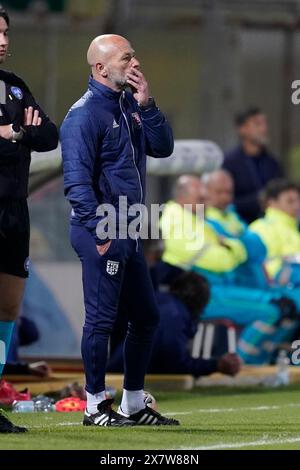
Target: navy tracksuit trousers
pixel 119 276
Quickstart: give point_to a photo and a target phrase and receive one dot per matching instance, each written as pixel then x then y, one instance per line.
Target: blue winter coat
pixel 105 138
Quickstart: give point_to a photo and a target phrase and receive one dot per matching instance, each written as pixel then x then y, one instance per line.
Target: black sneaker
pixel 7 426
pixel 106 416
pixel 150 417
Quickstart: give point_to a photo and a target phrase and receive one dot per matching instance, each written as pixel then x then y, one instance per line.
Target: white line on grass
pixel 186 413
pixel 238 445
pixel 230 410
pixel 54 425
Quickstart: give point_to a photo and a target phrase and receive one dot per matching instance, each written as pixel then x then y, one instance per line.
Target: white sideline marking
pixel 230 410
pixel 185 413
pixel 55 425
pixel 261 442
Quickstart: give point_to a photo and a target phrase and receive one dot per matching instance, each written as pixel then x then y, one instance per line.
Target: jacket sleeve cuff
pixel 41 138
pixel 150 111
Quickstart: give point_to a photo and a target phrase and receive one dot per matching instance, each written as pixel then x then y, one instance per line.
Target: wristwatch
pixel 17 133
pixel 150 104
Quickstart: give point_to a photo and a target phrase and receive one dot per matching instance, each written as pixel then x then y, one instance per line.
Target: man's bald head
pixel 102 47
pixel 111 57
pixel 189 190
pixel 220 188
pixel 218 178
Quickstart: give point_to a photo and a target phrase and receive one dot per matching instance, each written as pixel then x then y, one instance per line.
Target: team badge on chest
pixel 112 267
pixel 17 92
pixel 136 120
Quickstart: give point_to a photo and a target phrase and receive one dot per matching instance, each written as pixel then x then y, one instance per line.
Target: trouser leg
pixel 102 278
pixel 139 298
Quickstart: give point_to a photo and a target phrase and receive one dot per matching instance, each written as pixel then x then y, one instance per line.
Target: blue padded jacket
pixel 105 138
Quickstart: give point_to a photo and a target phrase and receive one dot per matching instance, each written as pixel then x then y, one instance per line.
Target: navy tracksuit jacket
pixel 105 138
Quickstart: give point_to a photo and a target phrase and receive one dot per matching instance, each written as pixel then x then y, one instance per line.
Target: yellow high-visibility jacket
pixel 192 242
pixel 228 219
pixel 280 234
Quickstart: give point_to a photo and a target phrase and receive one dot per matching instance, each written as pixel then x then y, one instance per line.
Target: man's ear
pixel 101 70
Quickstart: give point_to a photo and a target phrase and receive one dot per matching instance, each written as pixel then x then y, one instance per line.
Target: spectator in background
pixel 222 216
pixel 192 242
pixel 218 258
pixel 266 240
pixel 251 164
pixel 279 231
pixel 220 210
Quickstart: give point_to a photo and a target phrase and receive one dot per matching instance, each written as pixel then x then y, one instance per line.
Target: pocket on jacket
pixel 108 189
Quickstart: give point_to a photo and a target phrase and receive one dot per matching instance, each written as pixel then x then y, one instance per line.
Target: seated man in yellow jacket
pixel 279 231
pixel 189 239
pixel 192 243
pixel 220 210
pixel 221 214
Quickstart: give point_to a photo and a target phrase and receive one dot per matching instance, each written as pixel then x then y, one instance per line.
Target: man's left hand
pixel 32 117
pixel 139 84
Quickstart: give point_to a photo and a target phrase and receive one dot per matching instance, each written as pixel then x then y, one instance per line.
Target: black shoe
pixel 7 426
pixel 106 416
pixel 150 417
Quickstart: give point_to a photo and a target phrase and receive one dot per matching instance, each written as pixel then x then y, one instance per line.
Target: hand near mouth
pixel 139 85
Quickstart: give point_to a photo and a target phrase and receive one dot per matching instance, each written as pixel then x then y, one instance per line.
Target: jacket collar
pixel 216 213
pixel 263 152
pixel 277 215
pixel 99 88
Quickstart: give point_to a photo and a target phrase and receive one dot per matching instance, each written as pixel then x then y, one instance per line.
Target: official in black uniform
pixel 23 127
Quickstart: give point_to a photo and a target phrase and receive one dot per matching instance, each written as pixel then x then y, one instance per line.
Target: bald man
pixel 187 247
pixel 221 214
pixel 220 188
pixel 105 138
pixel 220 209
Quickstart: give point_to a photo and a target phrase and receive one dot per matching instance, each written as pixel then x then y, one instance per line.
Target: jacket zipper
pixel 134 161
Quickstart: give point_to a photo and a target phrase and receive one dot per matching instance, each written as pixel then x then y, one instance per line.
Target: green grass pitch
pixel 222 418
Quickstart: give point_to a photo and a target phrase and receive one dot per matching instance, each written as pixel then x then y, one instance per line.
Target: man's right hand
pixel 229 364
pixel 102 249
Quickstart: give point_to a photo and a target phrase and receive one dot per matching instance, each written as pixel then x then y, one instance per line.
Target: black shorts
pixel 14 237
